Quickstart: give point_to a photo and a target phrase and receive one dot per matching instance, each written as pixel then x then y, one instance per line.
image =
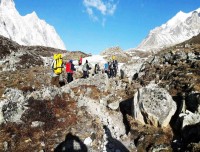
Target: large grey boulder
pixel 12 107
pixel 153 105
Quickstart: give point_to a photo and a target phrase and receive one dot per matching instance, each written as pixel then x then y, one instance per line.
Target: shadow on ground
pixel 72 143
pixel 125 108
pixel 113 144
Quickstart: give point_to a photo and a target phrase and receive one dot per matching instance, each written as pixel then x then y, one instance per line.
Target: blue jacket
pixel 106 66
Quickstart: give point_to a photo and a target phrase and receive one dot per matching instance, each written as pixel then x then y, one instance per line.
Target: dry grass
pixel 33 78
pixel 23 137
pixel 146 136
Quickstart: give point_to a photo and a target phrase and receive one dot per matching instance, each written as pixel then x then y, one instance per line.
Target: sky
pixel 92 26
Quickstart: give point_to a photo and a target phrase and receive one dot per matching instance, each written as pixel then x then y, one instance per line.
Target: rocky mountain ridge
pixel 180 28
pixel 120 55
pixel 14 56
pixel 27 30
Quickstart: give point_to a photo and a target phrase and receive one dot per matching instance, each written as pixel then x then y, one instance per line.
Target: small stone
pixel 27 140
pixel 5 145
pixel 114 105
pixel 42 144
pixel 88 141
pixel 61 120
pixel 37 124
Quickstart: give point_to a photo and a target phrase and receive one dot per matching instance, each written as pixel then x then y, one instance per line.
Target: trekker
pixel 96 68
pixel 80 61
pixel 111 69
pixel 70 69
pixel 115 67
pixel 57 69
pixel 113 57
pixel 106 69
pixel 122 74
pixel 86 69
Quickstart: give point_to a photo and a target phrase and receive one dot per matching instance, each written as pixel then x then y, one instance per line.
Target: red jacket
pixel 68 67
pixel 80 61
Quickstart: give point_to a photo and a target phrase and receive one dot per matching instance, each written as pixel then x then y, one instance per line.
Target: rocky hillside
pixel 177 70
pixel 154 106
pixel 7 46
pixel 75 55
pixel 26 63
pixel 14 56
pixel 194 41
pixel 120 55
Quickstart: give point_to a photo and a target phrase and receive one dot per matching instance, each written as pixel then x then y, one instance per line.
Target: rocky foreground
pixel 154 107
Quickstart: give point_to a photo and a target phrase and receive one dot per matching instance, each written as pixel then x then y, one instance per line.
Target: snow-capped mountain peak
pixel 7 3
pixel 32 16
pixel 179 17
pixel 28 29
pixel 181 27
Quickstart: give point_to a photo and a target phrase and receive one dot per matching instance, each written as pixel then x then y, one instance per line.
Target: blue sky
pixel 94 25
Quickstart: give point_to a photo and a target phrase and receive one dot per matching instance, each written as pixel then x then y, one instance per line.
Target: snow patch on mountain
pixel 181 27
pixel 27 30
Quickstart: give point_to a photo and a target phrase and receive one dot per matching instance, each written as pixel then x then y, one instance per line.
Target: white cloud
pixel 105 7
pixel 91 14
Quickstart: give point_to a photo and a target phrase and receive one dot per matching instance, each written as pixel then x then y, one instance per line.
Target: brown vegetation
pixel 56 116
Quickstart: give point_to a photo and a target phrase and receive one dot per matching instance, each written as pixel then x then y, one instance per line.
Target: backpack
pixel 58 64
pixel 111 65
pixel 85 67
pixel 113 57
pixel 115 64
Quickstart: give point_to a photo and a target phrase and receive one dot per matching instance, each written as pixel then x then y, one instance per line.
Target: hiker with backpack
pixel 111 69
pixel 70 69
pixel 115 67
pixel 96 68
pixel 106 69
pixel 57 69
pixel 86 69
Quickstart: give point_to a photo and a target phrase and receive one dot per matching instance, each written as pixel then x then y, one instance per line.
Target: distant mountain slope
pixel 15 57
pixel 181 27
pixel 7 46
pixel 26 30
pixel 120 55
pixel 194 40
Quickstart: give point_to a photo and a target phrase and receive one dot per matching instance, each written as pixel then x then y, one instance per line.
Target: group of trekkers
pixel 110 68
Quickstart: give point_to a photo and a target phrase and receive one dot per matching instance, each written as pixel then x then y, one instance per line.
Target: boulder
pixel 153 105
pixel 180 55
pixel 191 56
pixel 12 107
pixel 168 57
